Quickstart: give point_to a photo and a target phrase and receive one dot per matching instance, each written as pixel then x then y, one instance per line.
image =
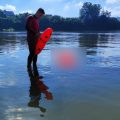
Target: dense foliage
pixel 91 17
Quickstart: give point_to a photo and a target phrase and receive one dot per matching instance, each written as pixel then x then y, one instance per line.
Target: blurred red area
pixel 65 59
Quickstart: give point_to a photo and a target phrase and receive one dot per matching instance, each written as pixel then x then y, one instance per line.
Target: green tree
pixel 89 12
pixel 2 15
pixel 106 13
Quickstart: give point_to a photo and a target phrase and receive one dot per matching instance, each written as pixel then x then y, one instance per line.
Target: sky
pixel 65 8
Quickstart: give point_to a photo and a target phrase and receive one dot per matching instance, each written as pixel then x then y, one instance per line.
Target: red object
pixel 43 39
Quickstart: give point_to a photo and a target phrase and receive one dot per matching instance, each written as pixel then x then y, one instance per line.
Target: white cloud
pixel 115 11
pixel 114 7
pixel 25 11
pixel 71 9
pixel 8 7
pixel 50 1
pixel 72 5
pixel 66 7
pixel 79 4
pixel 112 1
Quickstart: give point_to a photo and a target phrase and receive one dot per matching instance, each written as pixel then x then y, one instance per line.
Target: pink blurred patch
pixel 66 59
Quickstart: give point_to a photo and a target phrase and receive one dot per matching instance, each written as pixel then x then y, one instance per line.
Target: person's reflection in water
pixel 36 89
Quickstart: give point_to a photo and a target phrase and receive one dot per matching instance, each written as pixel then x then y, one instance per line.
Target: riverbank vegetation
pixel 91 17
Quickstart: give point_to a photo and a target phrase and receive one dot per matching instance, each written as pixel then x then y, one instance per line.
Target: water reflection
pixel 37 88
pixel 102 49
pixel 11 41
pixel 93 41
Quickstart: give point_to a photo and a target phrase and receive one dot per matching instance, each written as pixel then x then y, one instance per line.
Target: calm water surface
pixel 91 94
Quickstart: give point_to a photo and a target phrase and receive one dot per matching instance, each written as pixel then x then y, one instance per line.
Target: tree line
pixel 91 17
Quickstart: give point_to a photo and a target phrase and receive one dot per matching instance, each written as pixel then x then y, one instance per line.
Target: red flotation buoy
pixel 43 39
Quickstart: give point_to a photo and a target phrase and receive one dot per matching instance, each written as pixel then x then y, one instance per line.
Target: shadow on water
pixel 93 41
pixel 37 88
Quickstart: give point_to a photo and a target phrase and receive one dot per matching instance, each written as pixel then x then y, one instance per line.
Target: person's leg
pixel 35 65
pixel 30 59
pixel 36 73
pixel 35 61
pixel 31 54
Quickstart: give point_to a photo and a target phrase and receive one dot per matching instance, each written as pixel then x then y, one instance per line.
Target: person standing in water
pixel 33 32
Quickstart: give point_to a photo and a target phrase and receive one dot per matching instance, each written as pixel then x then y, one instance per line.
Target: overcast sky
pixel 65 8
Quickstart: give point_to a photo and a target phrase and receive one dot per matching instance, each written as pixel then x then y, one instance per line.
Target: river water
pixel 93 93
